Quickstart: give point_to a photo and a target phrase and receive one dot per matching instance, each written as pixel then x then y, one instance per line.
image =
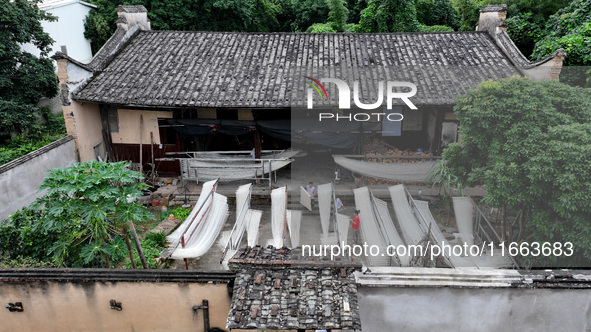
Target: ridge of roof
pixel 318 33
pixel 518 56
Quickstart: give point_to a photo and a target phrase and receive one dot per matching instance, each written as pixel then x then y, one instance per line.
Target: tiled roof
pixel 132 9
pixel 280 289
pixel 493 8
pixel 215 69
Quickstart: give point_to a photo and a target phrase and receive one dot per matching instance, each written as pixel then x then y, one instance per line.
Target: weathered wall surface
pixel 129 126
pixel 84 306
pixel 474 309
pixel 20 178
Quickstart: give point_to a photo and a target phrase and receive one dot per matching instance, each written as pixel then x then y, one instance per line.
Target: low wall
pixel 452 300
pixel 79 300
pixel 20 178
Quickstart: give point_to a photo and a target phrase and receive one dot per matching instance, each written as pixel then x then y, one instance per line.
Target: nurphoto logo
pixel 344 92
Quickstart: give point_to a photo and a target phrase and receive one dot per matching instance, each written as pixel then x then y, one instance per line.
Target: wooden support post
pixel 141 147
pixel 257 145
pixel 153 179
pixel 138 245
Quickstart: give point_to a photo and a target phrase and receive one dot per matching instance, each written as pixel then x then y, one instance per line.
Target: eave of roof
pixel 47 5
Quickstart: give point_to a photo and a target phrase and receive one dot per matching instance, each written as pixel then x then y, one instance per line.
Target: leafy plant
pixel 441 176
pixel 152 245
pixel 24 235
pixel 158 238
pixel 179 213
pixel 25 262
pixel 87 204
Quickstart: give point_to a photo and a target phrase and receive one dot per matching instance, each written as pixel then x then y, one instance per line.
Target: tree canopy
pixel 530 144
pixel 389 16
pixel 570 29
pixel 24 78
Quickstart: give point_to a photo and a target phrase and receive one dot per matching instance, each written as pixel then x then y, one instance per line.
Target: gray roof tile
pixel 281 289
pixel 216 69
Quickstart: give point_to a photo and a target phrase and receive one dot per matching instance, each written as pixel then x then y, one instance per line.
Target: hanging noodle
pixel 389 229
pixel 204 234
pixel 294 218
pixel 411 230
pixel 343 227
pixel 370 232
pixel 253 219
pixel 324 201
pixel 278 215
pixel 464 212
pixel 409 172
pixel 196 214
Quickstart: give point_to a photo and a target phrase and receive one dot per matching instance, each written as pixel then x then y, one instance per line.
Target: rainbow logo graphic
pixel 316 87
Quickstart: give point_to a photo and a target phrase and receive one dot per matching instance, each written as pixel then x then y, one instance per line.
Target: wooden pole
pixel 141 147
pixel 138 245
pixel 152 156
pixel 128 244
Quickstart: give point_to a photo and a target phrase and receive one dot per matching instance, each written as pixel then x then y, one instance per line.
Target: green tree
pixel 296 15
pixel 569 29
pixel 389 16
pixel 525 30
pixel 24 78
pixel 186 15
pixel 529 143
pixel 88 204
pixel 337 19
pixel 437 12
pixel 468 13
pixel 337 15
pixel 526 20
pixel 99 25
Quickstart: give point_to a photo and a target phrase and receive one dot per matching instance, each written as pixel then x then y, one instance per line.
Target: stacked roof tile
pixel 216 69
pixel 281 289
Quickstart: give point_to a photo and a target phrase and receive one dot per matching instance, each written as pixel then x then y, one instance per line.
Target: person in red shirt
pixel 355 226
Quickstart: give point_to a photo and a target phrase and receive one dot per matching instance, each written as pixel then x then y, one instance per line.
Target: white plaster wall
pixel 67 30
pixel 18 185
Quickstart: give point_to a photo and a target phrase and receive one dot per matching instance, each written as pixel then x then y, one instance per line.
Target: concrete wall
pixel 430 299
pixel 129 126
pixel 84 306
pixel 476 309
pixel 20 179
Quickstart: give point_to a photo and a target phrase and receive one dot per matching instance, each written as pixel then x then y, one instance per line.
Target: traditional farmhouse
pixel 173 91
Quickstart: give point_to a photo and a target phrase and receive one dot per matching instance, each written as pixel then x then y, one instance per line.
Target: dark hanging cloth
pixel 275 128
